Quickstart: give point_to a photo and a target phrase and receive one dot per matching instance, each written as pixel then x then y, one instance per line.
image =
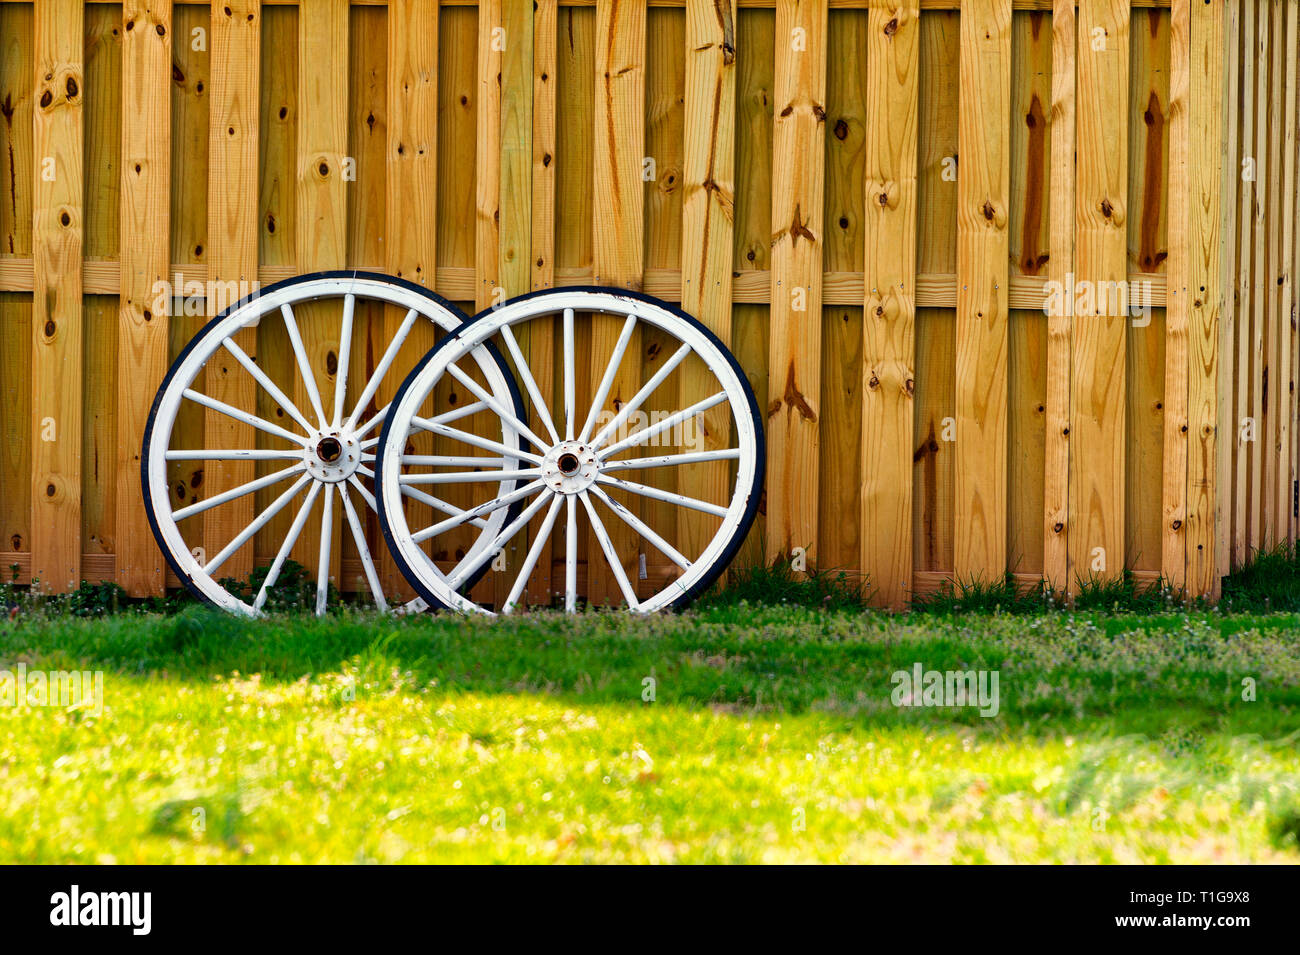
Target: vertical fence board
pixel 982 280
pixel 1292 199
pixel 1204 276
pixel 839 491
pixel 1229 184
pixel 618 120
pixel 1150 124
pixel 102 161
pixel 936 366
pixel 516 204
pixel 142 334
pixel 1259 293
pixel 794 379
pixel 367 243
pixel 1283 278
pixel 1245 289
pixel 1029 233
pixel 322 231
pixel 1056 470
pixel 751 249
pixel 17 76
pixel 1173 536
pixel 1270 268
pixel 57 214
pixel 235 42
pixel 708 205
pixel 541 254
pixel 888 348
pixel 1098 381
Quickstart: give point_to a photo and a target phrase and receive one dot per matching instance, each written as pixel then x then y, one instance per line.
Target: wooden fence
pixel 909 220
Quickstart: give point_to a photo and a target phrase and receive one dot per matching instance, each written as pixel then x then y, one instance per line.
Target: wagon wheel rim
pixel 325 457
pixel 581 459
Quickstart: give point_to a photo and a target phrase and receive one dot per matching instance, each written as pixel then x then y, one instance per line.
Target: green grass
pixel 771 737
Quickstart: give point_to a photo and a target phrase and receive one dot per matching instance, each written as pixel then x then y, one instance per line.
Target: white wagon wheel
pixel 579 464
pixel 313 455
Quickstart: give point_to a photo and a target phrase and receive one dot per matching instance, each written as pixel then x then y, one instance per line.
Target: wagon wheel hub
pixel 333 456
pixel 570 467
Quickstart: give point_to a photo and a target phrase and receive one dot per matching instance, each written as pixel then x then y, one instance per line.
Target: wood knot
pixel 988 210
pixel 891 27
pixel 1106 208
pixel 841 129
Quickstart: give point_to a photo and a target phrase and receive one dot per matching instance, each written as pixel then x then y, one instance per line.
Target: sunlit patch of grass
pixel 734 733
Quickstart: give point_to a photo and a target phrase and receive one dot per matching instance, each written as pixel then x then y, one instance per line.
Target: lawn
pixel 737 733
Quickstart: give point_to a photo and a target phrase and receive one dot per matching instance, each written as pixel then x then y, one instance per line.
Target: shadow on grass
pixel 1057 674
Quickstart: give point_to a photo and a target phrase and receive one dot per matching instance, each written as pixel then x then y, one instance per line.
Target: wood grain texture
pixel 1244 291
pixel 235 44
pixel 1258 375
pixel 57 220
pixel 1098 381
pixel 794 380
pixel 1204 279
pixel 889 317
pixel 1173 562
pixel 982 302
pixel 541 254
pixel 1056 471
pixel 1230 183
pixel 618 206
pixel 321 193
pixel 708 226
pixel 142 334
pixel 1031 186
pixel 839 483
pixel 934 431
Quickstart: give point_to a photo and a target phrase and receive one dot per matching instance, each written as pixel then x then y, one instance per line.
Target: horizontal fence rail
pixel 1012 279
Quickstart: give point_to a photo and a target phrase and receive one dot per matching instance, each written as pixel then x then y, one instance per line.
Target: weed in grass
pixel 778 584
pixel 1271 581
pixel 1284 828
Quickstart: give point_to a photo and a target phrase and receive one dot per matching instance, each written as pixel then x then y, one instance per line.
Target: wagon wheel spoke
pixel 270 387
pixel 571 556
pixel 671 460
pixel 363 549
pixel 345 355
pixel 465 516
pixel 639 398
pixel 326 540
pixel 668 497
pixel 257 524
pixel 304 366
pixel 237 492
pixel 230 411
pixel 386 362
pixel 611 557
pixel 467 568
pixel 295 531
pixel 534 553
pixel 530 384
pixel 658 428
pixel 642 528
pixel 570 367
pixel 607 381
pixel 470 477
pixel 497 407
